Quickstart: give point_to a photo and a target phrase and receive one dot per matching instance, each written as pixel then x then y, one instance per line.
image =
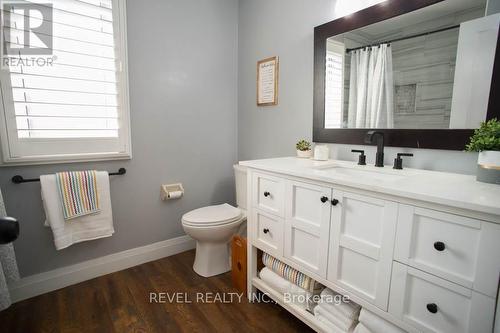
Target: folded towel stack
pixel 291 274
pixel 294 294
pixel 336 313
pixel 97 224
pixel 360 328
pixel 371 323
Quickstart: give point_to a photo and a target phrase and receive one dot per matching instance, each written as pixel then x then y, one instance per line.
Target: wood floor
pixel 120 302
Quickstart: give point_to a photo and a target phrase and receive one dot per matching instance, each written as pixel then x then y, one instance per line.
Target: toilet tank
pixel 240 177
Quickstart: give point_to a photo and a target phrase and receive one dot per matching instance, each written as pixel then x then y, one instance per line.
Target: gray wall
pixel 285 28
pixel 492 7
pixel 183 98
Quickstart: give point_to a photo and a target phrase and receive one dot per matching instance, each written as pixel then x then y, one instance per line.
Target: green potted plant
pixel 486 141
pixel 303 149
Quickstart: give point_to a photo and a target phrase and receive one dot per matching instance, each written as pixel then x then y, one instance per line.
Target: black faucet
pixel 398 161
pixel 379 157
pixel 362 156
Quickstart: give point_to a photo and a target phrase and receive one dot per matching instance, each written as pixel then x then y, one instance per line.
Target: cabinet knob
pixel 439 246
pixel 335 202
pixel 432 307
pixel 265 230
pixel 266 194
pixel 324 199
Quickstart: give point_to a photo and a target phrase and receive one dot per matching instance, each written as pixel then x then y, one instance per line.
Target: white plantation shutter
pixel 334 85
pixel 78 105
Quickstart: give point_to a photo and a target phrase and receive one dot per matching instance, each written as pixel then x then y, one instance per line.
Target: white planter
pixel 304 153
pixel 488 167
pixel 489 158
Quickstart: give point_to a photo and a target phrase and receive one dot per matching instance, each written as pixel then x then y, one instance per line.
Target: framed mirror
pixel 423 72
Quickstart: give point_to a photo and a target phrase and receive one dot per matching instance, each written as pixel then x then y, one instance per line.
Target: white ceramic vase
pixel 304 153
pixel 488 167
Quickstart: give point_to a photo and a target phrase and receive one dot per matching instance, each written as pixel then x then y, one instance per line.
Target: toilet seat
pixel 211 216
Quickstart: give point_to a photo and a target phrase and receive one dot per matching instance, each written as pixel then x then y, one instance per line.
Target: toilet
pixel 213 227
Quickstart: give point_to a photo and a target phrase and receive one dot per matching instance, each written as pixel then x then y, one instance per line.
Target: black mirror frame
pixel 450 139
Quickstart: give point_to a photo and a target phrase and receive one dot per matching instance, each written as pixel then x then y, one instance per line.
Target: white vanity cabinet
pixel 362 236
pixel 426 266
pixel 328 232
pixel 447 271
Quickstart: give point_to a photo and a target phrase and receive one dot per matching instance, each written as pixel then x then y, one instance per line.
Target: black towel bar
pixel 17 179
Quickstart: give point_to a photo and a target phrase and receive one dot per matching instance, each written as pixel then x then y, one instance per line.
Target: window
pixel 334 84
pixel 63 81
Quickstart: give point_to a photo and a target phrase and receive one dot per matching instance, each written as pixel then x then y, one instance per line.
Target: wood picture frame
pixel 449 139
pixel 267 81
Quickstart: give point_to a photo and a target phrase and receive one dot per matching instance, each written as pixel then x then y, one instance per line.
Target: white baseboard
pixel 45 282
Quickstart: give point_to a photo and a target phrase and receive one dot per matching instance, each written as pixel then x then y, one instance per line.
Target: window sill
pixel 63 159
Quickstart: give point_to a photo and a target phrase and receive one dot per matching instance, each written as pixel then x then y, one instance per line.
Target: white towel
pixel 275 281
pixel 349 310
pixel 297 295
pixel 331 327
pixel 82 228
pixel 340 320
pixel 360 328
pixel 376 324
pixel 340 324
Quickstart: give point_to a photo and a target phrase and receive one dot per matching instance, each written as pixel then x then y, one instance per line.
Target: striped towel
pixel 78 193
pixel 291 274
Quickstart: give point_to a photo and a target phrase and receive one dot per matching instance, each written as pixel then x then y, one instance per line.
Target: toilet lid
pixel 210 215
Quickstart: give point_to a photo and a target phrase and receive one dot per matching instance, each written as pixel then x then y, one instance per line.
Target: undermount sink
pixel 376 175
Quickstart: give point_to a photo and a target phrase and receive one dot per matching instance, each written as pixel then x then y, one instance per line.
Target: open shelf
pixel 304 315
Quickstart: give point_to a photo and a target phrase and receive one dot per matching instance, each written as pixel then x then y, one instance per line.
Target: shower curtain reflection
pixel 371 89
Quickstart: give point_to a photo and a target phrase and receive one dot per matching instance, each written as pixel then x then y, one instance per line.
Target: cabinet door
pixel 307 225
pixel 362 242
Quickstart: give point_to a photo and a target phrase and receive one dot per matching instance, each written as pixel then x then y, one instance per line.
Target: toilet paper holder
pixel 171 191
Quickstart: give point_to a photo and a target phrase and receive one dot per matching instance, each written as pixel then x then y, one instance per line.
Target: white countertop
pixel 444 188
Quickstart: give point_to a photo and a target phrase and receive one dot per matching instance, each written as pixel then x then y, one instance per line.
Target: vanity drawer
pixel 456 248
pixel 268 193
pixel 431 304
pixel 268 232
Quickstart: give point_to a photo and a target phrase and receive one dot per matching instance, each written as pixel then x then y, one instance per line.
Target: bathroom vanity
pixel 418 248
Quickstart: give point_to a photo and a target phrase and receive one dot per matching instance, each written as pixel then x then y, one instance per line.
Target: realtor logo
pixel 26 28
